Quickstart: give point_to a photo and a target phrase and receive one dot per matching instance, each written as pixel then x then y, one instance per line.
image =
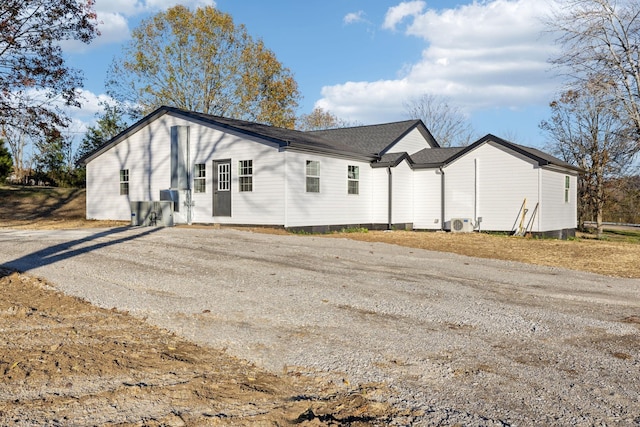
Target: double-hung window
pixel 353 179
pixel 200 178
pixel 313 176
pixel 567 182
pixel 245 175
pixel 124 182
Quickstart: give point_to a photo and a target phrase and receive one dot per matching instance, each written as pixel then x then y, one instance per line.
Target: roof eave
pixel 314 150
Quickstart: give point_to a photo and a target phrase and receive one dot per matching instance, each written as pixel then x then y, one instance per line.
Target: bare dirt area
pixel 67 362
pixel 45 207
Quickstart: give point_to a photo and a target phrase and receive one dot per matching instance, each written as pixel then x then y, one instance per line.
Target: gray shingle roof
pixel 374 139
pixel 284 137
pixel 368 143
pixel 435 156
pixel 542 158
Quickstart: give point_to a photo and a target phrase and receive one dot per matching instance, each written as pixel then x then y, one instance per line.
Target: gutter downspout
pixel 189 177
pixel 390 199
pixel 442 198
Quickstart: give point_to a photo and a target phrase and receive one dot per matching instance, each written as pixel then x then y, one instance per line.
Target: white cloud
pixel 353 17
pixel 132 8
pixel 82 118
pixel 397 14
pixel 114 17
pixel 490 54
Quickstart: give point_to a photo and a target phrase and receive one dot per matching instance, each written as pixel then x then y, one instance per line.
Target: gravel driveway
pixel 452 339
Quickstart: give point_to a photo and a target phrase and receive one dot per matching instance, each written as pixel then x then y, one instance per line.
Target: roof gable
pixel 539 157
pixel 376 139
pixel 284 138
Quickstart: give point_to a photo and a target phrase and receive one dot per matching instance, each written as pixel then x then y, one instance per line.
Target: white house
pixel 209 169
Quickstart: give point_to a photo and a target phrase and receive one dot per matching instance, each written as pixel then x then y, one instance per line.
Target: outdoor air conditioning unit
pixel 461 225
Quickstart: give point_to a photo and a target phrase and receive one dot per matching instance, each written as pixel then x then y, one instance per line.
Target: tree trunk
pixel 599 221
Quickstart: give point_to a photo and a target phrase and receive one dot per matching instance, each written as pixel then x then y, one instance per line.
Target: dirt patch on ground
pixel 65 361
pixel 46 207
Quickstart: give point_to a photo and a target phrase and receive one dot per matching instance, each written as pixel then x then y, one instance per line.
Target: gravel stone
pixel 453 339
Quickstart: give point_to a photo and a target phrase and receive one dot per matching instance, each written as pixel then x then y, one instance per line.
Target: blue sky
pixel 362 59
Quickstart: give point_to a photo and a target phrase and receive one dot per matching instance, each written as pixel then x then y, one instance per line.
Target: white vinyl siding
pixel 426 196
pixel 332 205
pixel 556 214
pixel 402 194
pixel 146 154
pixel 410 143
pixel 504 181
pixel 489 182
pixel 379 197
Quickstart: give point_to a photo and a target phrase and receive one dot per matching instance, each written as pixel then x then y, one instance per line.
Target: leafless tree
pixel 602 38
pixel 586 131
pixel 17 138
pixel 447 123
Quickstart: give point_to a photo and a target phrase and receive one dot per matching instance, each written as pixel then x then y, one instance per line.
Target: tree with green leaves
pixel 33 71
pixel 201 61
pixel 53 158
pixel 6 162
pixel 109 124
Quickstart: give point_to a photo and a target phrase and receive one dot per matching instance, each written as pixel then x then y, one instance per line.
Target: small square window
pixel 200 178
pixel 313 176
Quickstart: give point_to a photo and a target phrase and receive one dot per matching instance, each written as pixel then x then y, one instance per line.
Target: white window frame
pixel 245 175
pixel 224 177
pixel 312 171
pixel 124 182
pixel 353 179
pixel 200 178
pixel 567 186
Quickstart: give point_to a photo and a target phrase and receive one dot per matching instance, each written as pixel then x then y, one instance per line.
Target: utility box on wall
pixel 152 213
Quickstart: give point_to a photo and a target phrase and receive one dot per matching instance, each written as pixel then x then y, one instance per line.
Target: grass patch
pixel 354 230
pixel 629 236
pixel 626 235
